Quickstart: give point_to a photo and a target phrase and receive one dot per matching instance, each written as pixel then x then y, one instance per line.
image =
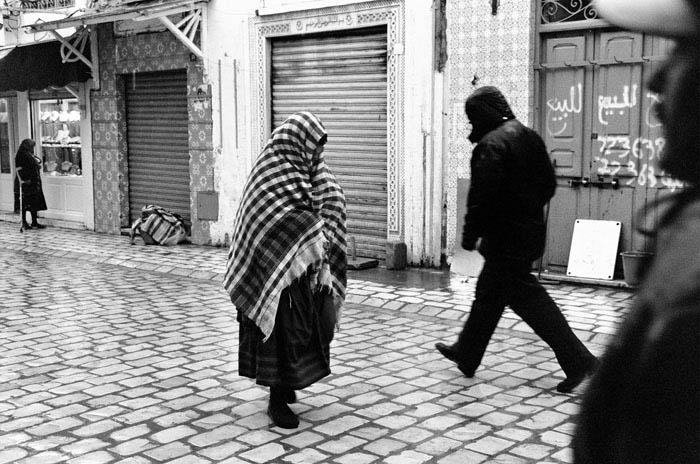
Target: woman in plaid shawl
pixel 286 269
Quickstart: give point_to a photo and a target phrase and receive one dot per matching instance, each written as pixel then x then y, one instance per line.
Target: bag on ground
pixel 158 226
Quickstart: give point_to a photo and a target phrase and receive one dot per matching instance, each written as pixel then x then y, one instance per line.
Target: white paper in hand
pixel 467 263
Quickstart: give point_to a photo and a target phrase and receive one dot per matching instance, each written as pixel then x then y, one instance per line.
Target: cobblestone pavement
pixel 116 353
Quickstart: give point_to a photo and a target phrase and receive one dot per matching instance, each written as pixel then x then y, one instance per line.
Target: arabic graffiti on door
pixel 623 155
pixel 560 112
pixel 610 106
pixel 615 150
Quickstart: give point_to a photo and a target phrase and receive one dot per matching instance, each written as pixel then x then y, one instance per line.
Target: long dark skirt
pixel 32 198
pixel 296 354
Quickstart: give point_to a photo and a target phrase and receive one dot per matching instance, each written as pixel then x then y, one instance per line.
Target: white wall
pixel 227 51
pixel 423 137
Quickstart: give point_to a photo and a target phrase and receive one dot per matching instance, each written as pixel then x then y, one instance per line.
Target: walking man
pixel 512 180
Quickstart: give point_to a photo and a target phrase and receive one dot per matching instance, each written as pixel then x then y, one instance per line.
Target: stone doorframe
pixel 340 18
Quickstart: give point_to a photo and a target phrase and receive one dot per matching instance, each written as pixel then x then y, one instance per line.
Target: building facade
pixel 185 93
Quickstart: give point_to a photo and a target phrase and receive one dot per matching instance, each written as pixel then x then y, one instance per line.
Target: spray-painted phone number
pixel 642 149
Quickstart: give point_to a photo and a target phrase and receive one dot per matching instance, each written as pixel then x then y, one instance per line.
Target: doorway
pixel 598 122
pixel 158 142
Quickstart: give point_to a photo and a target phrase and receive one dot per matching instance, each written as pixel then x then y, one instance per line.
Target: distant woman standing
pixel 28 169
pixel 286 267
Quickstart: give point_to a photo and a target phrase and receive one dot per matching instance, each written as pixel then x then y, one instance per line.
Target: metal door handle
pixel 583 181
pixel 601 182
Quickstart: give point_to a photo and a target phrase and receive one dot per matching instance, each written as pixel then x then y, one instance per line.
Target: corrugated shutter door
pixel 157 138
pixel 342 79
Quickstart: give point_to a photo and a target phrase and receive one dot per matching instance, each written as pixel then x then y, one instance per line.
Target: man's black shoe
pixel 450 353
pixel 568 384
pixel 288 395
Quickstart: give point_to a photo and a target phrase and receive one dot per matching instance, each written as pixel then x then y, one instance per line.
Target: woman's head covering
pixel 486 109
pixel 291 216
pixel 27 145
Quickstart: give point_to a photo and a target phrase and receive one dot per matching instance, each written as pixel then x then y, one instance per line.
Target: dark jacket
pixel 512 180
pixel 643 404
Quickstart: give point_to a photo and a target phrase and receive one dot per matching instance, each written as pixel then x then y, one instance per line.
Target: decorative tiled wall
pixel 133 54
pixel 483 50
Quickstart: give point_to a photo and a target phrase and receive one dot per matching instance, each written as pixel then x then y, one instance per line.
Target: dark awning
pixel 40 66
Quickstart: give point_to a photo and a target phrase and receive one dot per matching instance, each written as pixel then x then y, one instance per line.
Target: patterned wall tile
pixel 200 232
pixel 202 170
pixel 104 109
pixel 483 50
pixel 195 79
pixel 200 136
pixel 105 135
pixel 199 103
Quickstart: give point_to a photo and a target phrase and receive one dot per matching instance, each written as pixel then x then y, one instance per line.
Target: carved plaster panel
pixel 365 14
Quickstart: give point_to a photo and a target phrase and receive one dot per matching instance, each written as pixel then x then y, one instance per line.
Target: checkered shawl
pixel 291 216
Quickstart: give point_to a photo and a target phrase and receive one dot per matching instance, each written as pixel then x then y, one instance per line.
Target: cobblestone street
pixel 112 353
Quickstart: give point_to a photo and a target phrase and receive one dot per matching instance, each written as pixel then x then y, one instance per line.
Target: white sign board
pixel 594 249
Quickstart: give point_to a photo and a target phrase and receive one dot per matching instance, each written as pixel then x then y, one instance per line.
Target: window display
pixel 59 136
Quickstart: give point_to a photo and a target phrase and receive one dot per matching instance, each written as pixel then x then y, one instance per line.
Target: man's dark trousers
pixel 510 283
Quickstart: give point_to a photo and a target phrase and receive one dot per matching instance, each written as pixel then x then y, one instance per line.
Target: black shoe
pixel 568 384
pixel 36 225
pixel 450 353
pixel 290 397
pixel 281 415
pixel 26 226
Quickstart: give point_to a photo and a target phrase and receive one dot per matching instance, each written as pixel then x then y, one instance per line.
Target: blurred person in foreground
pixel 512 181
pixel 643 405
pixel 286 269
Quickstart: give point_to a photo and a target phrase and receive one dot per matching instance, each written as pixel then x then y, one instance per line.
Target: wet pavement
pixel 117 353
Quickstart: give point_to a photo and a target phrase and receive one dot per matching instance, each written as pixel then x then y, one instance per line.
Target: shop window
pixel 59 137
pixel 5 154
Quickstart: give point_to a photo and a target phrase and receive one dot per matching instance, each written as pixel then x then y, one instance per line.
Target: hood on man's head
pixel 486 109
pixel 670 18
pixel 490 99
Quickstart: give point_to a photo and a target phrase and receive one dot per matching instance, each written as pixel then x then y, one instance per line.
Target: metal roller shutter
pixel 342 78
pixel 157 138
